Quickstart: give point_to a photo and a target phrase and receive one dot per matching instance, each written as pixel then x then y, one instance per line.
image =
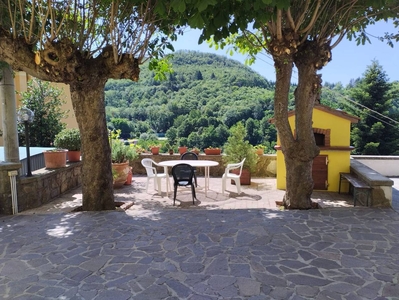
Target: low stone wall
pixel 266 166
pixel 381 195
pixel 44 186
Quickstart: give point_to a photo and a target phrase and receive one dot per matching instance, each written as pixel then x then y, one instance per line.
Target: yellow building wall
pixel 338 160
pixel 340 128
pixel 67 106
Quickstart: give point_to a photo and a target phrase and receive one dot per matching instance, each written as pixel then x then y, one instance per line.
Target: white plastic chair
pixel 236 177
pixel 149 164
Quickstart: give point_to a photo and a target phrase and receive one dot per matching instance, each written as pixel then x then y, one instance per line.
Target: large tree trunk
pixel 299 155
pixel 89 107
pixel 299 149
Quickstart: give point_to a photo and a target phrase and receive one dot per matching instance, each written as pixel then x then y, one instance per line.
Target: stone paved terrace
pixel 225 247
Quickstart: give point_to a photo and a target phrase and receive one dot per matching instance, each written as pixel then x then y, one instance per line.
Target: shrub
pixel 236 148
pixel 68 139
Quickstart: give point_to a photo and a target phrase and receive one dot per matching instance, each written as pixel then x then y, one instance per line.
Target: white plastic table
pixel 194 163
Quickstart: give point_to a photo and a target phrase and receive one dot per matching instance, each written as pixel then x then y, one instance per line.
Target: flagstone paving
pixel 224 247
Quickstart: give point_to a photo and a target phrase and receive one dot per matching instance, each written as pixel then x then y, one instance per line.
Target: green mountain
pixel 206 93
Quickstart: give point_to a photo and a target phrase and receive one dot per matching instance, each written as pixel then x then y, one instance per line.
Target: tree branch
pixel 302 16
pixel 279 32
pixel 290 19
pixel 312 21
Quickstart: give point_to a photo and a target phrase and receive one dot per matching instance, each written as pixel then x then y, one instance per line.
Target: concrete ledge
pixel 381 195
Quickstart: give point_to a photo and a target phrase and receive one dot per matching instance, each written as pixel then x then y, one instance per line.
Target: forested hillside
pixel 200 101
pixel 207 94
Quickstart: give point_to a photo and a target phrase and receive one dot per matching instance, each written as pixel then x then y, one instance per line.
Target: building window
pixel 320 139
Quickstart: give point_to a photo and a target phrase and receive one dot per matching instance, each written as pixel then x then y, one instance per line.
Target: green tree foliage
pixel 186 106
pixel 44 100
pixel 374 134
pixel 123 125
pixel 237 148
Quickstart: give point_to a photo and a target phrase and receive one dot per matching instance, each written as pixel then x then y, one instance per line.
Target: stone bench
pixel 360 188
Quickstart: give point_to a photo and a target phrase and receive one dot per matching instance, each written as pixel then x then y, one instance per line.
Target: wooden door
pixel 320 172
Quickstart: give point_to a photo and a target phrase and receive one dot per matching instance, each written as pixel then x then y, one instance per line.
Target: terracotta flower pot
pixel 73 156
pixel 182 149
pixel 155 150
pixel 212 151
pixel 122 171
pixel 129 177
pixel 260 151
pixel 54 159
pixel 245 178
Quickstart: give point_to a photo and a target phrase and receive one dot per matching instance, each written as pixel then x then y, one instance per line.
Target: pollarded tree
pixel 376 133
pixel 292 32
pixel 83 44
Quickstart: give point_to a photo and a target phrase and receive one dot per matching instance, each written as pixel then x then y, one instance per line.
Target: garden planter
pixel 120 173
pixel 182 149
pixel 155 150
pixel 245 178
pixel 54 159
pixel 129 177
pixel 212 151
pixel 260 151
pixel 196 151
pixel 73 156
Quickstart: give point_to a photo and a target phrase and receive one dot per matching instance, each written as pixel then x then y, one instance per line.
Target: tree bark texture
pixel 299 149
pixel 97 182
pixel 299 155
pixel 299 183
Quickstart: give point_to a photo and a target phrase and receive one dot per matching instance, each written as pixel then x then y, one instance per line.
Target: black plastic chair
pixel 183 176
pixel 191 156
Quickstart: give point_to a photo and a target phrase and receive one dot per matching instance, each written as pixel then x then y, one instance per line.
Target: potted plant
pixel 55 158
pixel 182 148
pixel 170 148
pixel 195 150
pixel 69 139
pixel 155 149
pixel 237 148
pixel 260 149
pixel 212 151
pixel 121 155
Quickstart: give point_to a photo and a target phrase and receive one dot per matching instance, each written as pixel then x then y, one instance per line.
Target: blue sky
pixel 349 61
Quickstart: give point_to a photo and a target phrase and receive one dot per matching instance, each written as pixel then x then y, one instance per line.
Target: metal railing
pixel 36 162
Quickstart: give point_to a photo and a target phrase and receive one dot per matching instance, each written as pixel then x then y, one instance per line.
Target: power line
pixel 346 98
